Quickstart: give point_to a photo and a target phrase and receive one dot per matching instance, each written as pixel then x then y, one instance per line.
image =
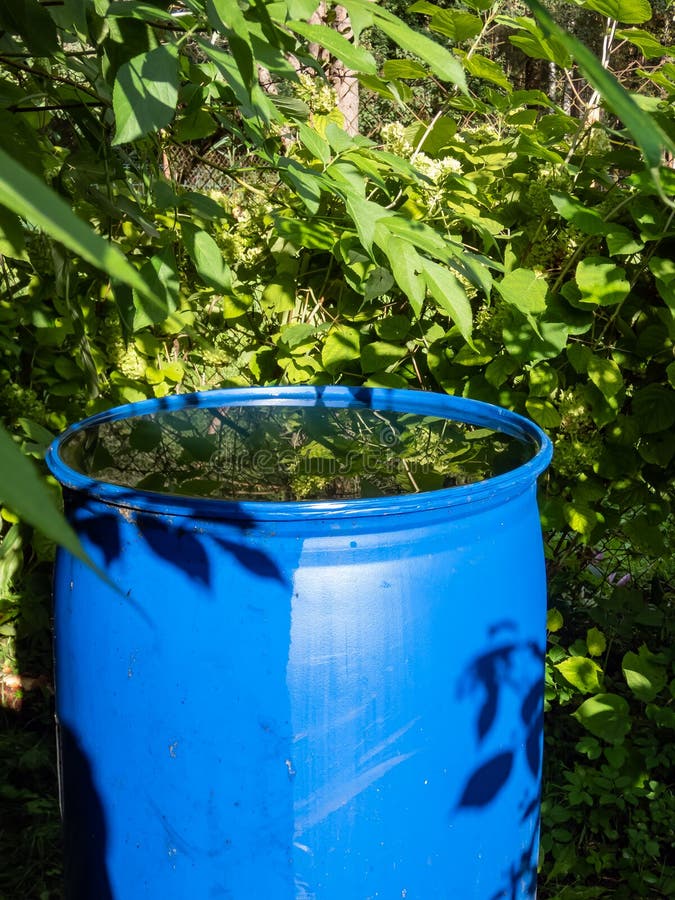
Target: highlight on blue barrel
pixel 316 669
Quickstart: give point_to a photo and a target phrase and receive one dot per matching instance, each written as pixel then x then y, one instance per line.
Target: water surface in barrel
pixel 285 452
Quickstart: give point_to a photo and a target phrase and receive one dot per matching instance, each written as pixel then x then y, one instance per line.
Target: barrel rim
pixel 493 490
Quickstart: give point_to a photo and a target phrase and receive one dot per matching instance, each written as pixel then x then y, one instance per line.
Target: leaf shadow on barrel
pixel 508 673
pixel 179 545
pixel 201 552
pixel 85 831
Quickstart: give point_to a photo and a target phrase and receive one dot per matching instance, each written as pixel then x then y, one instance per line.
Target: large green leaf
pixel 145 93
pixel 31 199
pixel 605 716
pixel 207 257
pixel 628 12
pixel 353 57
pixel 536 44
pixel 601 281
pixel 644 676
pixel 449 295
pixel 406 267
pixel 342 347
pixel 605 375
pixel 525 290
pixel 12 238
pixel 456 24
pixel 444 64
pixel 31 21
pixel 482 67
pixel 647 43
pixel 161 274
pixel 583 673
pixel 228 18
pixel 394 69
pixel 643 127
pixel 22 489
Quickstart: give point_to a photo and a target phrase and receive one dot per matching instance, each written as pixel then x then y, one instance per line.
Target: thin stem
pixel 50 76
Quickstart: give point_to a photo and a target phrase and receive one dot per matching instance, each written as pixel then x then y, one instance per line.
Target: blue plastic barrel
pixel 316 671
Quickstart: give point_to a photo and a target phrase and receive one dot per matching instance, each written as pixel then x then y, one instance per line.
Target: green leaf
pixel 279 295
pixel 380 355
pixel 22 489
pixel 342 347
pixel 434 140
pixel 446 66
pixel 646 539
pixel 670 372
pixel 642 126
pixel 537 44
pixel 305 182
pixel 147 12
pixel 583 673
pixel 581 519
pixel 543 380
pixel 449 295
pixel 654 408
pixel 353 57
pixel 499 370
pixel 487 69
pixel 255 105
pixel 394 69
pixel 207 257
pixel 587 220
pixel 301 233
pixel 596 642
pixel 579 356
pixel 622 242
pixel 543 412
pixel 601 281
pixel 161 275
pixel 480 354
pixel 630 12
pixel 554 620
pixel 648 44
pixel 31 199
pixel 297 334
pixel 605 716
pixel 393 328
pixel 406 266
pixel 455 24
pixel 145 93
pixel 30 20
pixel 605 375
pixel 643 675
pixel 227 17
pixel 365 214
pixel 380 281
pixel 525 290
pixel 301 9
pixel 12 239
pixel 314 143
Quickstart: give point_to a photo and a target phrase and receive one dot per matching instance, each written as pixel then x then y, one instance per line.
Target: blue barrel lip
pixel 492 490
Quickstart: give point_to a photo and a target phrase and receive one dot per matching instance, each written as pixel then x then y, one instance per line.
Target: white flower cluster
pixel 436 169
pixel 317 94
pixel 395 139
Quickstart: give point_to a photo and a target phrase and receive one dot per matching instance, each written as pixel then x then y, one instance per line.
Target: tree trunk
pixel 342 79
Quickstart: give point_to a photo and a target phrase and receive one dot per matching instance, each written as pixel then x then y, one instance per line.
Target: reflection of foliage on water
pixel 509 670
pixel 291 453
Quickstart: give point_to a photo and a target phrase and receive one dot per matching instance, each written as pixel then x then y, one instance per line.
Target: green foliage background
pixel 485 239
